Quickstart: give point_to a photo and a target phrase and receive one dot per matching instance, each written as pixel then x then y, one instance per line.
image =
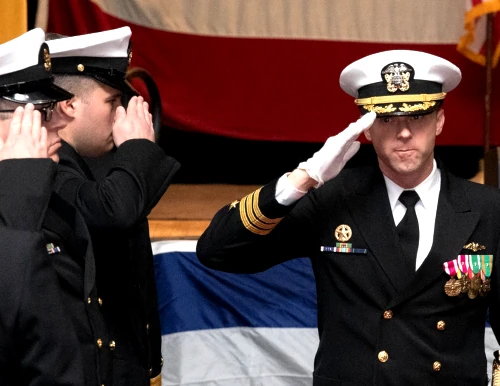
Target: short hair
pixel 79 85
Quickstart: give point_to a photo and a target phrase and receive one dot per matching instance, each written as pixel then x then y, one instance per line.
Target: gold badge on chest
pixel 343 233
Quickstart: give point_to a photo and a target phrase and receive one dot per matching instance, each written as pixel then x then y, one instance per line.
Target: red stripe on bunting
pixel 269 89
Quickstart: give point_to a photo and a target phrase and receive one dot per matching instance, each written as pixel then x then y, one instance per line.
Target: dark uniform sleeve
pixel 39 346
pixel 257 233
pixel 25 189
pixel 139 176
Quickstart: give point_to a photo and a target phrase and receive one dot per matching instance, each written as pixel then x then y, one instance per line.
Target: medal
pixel 486 265
pixel 452 287
pixel 465 283
pixel 475 263
pixel 485 287
pixel 475 283
pixel 472 294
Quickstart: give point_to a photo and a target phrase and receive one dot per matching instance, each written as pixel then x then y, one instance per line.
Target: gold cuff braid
pixel 156 381
pixel 495 374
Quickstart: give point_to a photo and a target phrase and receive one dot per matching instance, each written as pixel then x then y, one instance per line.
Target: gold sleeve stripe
pixel 253 219
pixel 259 214
pixel 252 203
pixel 400 98
pixel 246 222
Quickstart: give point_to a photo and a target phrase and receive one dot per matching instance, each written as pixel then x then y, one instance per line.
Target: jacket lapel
pixel 369 205
pixel 455 222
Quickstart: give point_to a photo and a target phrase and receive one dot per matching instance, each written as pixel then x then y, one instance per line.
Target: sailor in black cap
pixel 404 253
pixel 115 203
pixel 28 78
pixel 38 342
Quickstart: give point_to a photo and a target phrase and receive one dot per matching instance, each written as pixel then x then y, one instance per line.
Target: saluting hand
pixel 27 137
pixel 327 162
pixel 134 123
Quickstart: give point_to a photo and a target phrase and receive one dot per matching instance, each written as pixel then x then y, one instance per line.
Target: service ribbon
pixel 475 263
pixel 486 264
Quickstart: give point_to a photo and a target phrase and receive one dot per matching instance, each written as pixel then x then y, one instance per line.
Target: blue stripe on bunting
pixel 193 297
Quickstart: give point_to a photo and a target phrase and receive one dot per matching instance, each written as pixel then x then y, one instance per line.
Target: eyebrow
pixel 114 96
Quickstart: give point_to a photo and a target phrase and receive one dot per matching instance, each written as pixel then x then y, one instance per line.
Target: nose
pixel 403 128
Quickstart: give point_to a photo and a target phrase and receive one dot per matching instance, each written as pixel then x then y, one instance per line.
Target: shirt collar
pixel 426 190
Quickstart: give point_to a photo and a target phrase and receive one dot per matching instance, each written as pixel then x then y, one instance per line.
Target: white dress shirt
pixel 426 208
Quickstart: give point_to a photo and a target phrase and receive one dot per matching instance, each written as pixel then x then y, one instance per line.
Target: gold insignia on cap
pixel 397 76
pixel 474 247
pixel 380 109
pixel 80 67
pixel 343 233
pixel 417 107
pixel 46 59
pixel 234 204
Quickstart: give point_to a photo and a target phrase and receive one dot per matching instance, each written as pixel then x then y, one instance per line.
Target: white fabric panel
pixel 166 246
pixel 241 356
pixel 491 345
pixel 423 21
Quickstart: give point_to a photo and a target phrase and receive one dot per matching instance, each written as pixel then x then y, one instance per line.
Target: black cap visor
pixel 36 92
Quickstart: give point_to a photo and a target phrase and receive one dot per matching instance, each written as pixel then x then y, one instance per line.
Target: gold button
pixel 151 371
pixel 436 366
pixel 80 67
pixel 112 345
pixel 383 356
pixel 99 342
pixel 100 301
pixel 388 314
pixel 441 325
pixel 147 327
pixel 89 300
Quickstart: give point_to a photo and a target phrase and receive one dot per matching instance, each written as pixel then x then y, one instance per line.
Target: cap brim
pixel 402 109
pixel 118 83
pixel 42 95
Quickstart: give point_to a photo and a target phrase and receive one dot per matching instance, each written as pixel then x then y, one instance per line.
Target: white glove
pixel 328 161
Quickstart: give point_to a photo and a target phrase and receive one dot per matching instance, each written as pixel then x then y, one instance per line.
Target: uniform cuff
pixel 286 193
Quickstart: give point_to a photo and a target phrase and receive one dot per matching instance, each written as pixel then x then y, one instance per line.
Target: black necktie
pixel 408 229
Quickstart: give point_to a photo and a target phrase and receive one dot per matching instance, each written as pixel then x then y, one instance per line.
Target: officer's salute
pixel 404 253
